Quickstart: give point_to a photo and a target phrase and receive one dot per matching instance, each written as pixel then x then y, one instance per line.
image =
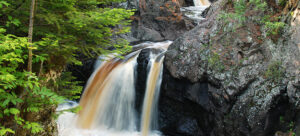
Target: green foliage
pixel 215 62
pixel 291 126
pixel 282 3
pixel 273 27
pixel 275 71
pixel 67 86
pixel 259 5
pixel 4 131
pixel 281 119
pixel 288 125
pixel 62 29
pixel 13 80
pixel 33 127
pixel 241 15
pixel 238 16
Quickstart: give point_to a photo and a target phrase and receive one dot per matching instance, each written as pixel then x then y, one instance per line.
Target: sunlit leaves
pixel 62 30
pixel 4 131
pixel 3 3
pixel 12 50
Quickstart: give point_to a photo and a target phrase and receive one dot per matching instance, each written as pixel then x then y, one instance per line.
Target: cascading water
pixel 108 101
pixel 201 3
pixel 149 114
pixel 109 98
pixel 195 12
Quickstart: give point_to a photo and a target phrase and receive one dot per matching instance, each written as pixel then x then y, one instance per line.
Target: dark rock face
pixel 221 83
pixel 215 84
pixel 141 76
pixel 83 72
pixel 187 108
pixel 158 20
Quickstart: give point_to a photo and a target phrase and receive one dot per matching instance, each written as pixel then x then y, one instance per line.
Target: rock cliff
pixel 236 83
pixel 221 80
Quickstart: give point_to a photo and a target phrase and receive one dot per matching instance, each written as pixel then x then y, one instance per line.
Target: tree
pixel 30 30
pixel 62 29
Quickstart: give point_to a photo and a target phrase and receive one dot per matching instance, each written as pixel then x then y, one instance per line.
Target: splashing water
pixel 108 100
pixel 195 12
pixel 201 3
pixel 66 126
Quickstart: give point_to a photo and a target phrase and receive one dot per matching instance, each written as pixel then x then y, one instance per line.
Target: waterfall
pixel 108 101
pixel 201 3
pixel 107 104
pixel 149 114
pixel 195 12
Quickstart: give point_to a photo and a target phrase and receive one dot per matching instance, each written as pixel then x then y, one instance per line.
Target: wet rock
pixel 182 101
pixel 188 126
pixel 241 94
pixel 141 75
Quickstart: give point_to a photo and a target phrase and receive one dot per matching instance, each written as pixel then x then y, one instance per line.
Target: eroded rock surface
pixel 158 20
pixel 231 83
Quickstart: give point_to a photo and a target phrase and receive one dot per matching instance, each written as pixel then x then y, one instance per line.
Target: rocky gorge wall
pixel 220 83
pixel 158 20
pixel 215 82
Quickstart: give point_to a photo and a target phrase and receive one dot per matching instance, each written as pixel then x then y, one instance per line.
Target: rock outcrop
pixel 234 83
pixel 220 83
pixel 158 20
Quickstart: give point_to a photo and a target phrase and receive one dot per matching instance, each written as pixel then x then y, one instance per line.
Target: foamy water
pixel 107 104
pixel 66 123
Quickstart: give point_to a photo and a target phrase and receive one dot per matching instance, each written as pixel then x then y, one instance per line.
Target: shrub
pixel 275 71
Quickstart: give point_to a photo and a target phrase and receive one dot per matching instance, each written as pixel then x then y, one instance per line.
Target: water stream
pixel 109 98
pixel 195 12
pixel 149 114
pixel 107 104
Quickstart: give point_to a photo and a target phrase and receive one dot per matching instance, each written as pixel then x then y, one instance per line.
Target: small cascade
pixel 195 12
pixel 201 3
pixel 109 98
pixel 149 114
pixel 108 101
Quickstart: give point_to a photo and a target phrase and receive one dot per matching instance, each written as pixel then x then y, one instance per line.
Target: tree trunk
pixel 30 31
pixel 19 130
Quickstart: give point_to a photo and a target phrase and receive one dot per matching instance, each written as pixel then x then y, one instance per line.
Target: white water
pixel 108 100
pixel 194 12
pixel 118 95
pixel 66 126
pixel 201 3
pixel 150 104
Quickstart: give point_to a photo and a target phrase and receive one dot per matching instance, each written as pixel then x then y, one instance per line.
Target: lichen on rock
pixel 255 75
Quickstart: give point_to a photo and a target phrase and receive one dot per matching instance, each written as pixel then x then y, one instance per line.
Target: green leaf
pixel 6 111
pixel 4 131
pixel 5 103
pixel 14 111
